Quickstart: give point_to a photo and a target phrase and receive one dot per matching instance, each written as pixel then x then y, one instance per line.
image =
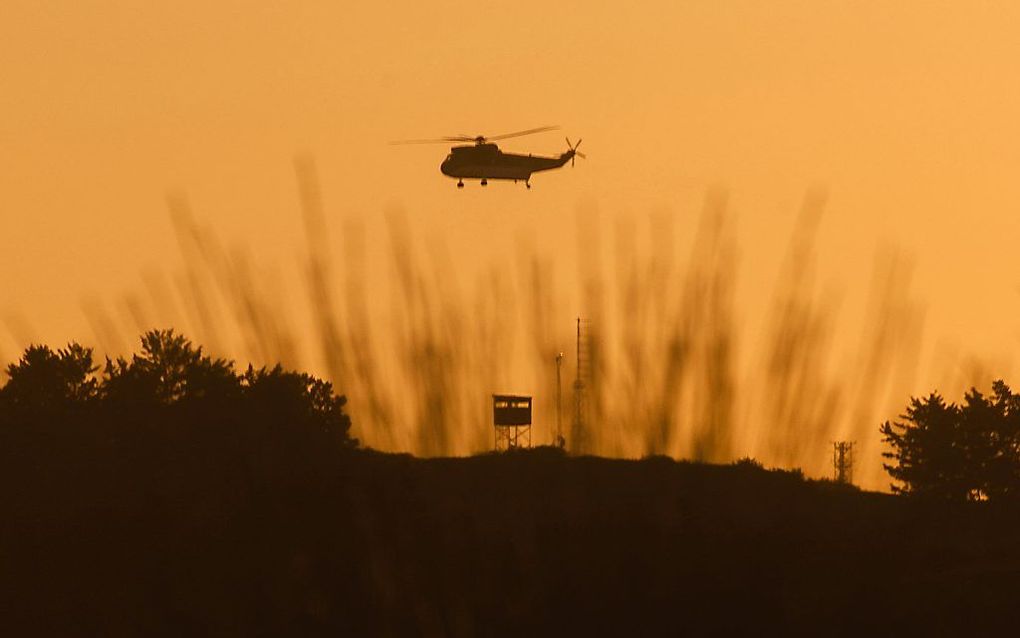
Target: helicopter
pixel 484 161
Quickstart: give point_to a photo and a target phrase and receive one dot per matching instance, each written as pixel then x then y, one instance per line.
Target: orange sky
pixel 906 115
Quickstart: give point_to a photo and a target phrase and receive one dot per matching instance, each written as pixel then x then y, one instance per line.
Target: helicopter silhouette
pixel 484 161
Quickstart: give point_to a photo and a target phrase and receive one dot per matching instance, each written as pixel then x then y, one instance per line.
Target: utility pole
pixel 559 440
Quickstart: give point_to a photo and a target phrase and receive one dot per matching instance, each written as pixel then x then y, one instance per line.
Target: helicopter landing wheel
pixel 485 182
pixel 460 184
pixel 528 184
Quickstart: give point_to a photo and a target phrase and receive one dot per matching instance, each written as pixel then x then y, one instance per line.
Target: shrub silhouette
pixel 300 400
pixel 957 452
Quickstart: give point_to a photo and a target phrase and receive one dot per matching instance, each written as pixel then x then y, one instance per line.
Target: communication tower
pixel 582 383
pixel 843 462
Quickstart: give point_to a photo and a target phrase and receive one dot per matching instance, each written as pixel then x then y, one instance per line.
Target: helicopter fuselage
pixel 486 161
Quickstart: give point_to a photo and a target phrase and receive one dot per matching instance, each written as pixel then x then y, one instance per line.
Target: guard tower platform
pixel 511 418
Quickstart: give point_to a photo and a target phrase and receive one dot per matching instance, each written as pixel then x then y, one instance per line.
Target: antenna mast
pixel 843 462
pixel 579 429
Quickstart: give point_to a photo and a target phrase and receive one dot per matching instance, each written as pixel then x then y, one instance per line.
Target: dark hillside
pixel 362 543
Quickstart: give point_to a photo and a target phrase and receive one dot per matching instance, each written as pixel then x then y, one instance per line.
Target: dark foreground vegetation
pixel 197 543
pixel 140 502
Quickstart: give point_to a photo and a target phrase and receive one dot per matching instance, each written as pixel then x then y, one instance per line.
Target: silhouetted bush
pixel 957 452
pixel 748 463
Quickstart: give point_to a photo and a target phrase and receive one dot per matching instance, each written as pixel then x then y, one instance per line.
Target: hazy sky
pixel 907 113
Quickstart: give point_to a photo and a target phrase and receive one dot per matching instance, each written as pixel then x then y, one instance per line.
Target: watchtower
pixel 511 417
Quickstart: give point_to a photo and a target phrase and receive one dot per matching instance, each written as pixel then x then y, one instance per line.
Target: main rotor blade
pixel 578 144
pixel 519 133
pixel 440 140
pixel 581 155
pixel 569 145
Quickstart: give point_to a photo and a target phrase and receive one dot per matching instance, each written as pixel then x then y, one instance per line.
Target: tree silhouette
pixel 957 452
pixel 44 383
pixel 1000 440
pixel 295 398
pixel 169 369
pixel 171 406
pixel 926 448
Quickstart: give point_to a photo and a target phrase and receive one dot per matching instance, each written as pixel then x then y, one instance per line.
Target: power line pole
pixel 559 441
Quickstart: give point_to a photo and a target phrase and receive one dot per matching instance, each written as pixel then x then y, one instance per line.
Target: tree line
pixel 173 405
pixel 168 411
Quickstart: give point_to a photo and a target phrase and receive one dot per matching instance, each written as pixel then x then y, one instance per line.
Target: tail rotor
pixel 573 151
